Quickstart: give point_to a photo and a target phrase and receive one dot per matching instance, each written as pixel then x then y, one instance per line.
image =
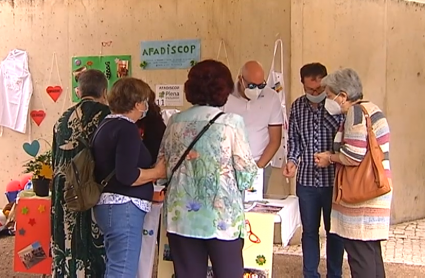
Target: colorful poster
pixel 258 245
pixel 169 95
pixel 32 237
pixel 177 54
pixel 257 252
pixel 114 67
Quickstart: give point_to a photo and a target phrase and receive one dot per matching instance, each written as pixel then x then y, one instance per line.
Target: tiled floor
pixel 406 244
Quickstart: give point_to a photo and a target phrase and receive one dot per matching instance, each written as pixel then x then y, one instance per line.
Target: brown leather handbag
pixel 356 184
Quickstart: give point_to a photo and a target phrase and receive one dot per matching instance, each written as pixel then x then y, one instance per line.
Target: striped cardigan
pixel 368 220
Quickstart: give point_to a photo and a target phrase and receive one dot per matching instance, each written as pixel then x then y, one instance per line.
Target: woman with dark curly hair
pixel 203 210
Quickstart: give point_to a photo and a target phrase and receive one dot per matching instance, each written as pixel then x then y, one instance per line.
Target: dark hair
pixel 209 83
pixel 153 106
pixel 314 70
pixel 92 83
pixel 154 112
pixel 126 92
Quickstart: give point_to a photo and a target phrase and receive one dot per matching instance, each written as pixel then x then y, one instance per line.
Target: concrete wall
pixel 248 27
pixel 384 40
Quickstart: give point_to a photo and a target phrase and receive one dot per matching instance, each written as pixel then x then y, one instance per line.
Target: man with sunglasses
pixel 260 108
pixel 312 130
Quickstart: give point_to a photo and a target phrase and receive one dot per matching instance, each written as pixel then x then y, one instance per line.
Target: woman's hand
pixel 322 159
pixel 160 168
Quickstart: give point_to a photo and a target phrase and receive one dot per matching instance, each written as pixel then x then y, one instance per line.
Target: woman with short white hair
pixel 365 224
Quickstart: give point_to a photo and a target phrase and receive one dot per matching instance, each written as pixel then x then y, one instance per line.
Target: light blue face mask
pixel 145 112
pixel 316 99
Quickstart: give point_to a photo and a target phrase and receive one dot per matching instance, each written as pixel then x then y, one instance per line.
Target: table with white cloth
pixel 150 232
pixel 289 217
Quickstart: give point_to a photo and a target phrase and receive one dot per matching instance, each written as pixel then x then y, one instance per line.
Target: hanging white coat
pixel 15 91
pixel 276 82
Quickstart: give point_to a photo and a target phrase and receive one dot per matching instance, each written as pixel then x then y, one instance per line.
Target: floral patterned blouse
pixel 204 197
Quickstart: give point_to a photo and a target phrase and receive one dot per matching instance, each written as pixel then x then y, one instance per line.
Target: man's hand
pixel 260 165
pixel 322 159
pixel 289 169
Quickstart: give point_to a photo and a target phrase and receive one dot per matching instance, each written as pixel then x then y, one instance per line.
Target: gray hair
pixel 345 80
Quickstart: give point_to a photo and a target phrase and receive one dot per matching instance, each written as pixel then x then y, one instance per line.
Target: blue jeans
pixel 122 226
pixel 312 201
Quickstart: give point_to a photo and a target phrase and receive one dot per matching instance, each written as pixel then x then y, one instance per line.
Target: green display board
pixel 114 67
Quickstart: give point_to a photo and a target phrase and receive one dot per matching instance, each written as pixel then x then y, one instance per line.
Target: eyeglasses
pixel 251 236
pixel 253 85
pixel 312 91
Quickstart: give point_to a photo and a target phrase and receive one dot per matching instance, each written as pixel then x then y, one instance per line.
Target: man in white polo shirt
pixel 260 108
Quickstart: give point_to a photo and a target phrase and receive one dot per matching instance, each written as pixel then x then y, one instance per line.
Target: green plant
pixel 40 166
pixel 143 64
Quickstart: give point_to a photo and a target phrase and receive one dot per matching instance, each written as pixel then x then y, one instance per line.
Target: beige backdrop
pixel 249 29
pixel 382 39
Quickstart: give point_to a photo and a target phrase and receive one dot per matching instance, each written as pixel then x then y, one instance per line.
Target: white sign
pixel 255 193
pixel 169 95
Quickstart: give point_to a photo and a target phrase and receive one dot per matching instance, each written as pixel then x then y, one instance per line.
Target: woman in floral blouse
pixel 204 214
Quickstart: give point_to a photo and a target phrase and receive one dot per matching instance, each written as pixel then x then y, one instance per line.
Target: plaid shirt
pixel 311 131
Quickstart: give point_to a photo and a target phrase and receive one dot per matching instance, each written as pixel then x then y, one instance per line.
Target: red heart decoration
pixel 54 92
pixel 38 116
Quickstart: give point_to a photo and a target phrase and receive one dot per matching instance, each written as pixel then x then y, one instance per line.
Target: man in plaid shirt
pixel 312 130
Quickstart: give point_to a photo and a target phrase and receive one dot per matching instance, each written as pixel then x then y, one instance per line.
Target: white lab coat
pixel 276 82
pixel 15 91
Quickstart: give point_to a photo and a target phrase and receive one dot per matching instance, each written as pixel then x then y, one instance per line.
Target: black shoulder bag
pixel 189 148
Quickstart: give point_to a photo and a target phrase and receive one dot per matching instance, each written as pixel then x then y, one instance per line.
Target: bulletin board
pixel 257 252
pixel 32 238
pixel 114 67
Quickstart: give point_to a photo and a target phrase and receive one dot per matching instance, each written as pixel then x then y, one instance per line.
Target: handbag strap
pixel 189 148
pixel 368 120
pixel 106 180
pixel 370 134
pixel 373 145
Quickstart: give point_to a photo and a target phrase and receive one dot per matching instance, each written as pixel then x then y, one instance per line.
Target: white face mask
pixel 252 94
pixel 332 106
pixel 144 112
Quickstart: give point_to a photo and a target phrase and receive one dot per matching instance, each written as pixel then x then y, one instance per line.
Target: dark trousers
pixel 365 258
pixel 190 257
pixel 313 201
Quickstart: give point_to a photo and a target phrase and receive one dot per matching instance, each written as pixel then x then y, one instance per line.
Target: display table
pixel 258 257
pixel 32 239
pixel 257 252
pixel 150 233
pixel 289 217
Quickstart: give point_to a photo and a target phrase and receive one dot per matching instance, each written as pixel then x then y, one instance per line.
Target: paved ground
pixel 404 255
pixel 406 245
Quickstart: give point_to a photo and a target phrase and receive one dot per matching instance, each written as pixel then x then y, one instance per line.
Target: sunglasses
pixel 251 236
pixel 253 85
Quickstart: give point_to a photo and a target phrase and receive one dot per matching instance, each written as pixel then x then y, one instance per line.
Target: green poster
pixel 114 67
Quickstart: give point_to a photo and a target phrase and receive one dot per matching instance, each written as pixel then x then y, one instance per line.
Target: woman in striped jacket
pixel 364 225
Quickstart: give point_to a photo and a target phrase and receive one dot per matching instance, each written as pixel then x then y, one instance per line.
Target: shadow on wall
pixel 391 64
